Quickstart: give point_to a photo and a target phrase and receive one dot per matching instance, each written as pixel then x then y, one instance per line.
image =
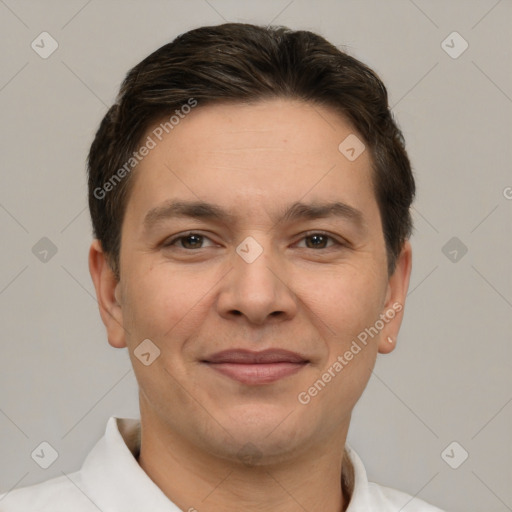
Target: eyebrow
pixel 294 212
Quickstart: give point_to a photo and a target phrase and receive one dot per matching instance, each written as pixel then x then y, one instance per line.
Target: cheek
pixel 162 300
pixel 149 307
pixel 347 299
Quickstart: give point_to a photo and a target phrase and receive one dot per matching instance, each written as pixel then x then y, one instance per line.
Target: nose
pixel 257 291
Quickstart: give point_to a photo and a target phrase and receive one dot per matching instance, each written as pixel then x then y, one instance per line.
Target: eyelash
pixel 310 234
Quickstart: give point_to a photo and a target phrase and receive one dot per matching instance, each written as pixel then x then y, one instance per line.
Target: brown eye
pixel 317 241
pixel 191 241
pixel 188 241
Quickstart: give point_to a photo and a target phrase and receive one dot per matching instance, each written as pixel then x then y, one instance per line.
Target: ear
pixel 394 305
pixel 107 293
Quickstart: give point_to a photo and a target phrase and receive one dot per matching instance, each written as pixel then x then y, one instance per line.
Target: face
pixel 253 258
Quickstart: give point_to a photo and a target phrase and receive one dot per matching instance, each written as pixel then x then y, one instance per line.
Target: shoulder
pixel 60 494
pixel 387 499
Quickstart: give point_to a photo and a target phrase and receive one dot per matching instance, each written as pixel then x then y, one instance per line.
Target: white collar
pixel 112 462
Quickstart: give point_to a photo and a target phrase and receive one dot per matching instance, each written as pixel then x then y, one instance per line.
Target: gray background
pixel 449 379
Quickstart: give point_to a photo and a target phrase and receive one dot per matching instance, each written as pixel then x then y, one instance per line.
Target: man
pixel 249 194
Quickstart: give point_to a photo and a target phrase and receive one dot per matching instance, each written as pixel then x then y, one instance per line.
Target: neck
pixel 197 481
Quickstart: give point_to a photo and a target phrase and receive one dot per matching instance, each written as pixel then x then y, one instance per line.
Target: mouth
pixel 256 368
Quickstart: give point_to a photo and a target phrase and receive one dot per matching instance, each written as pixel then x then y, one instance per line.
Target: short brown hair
pixel 237 62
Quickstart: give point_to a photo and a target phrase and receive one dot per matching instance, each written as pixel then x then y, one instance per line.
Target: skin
pixel 195 299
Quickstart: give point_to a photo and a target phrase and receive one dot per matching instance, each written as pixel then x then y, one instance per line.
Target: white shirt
pixel 111 480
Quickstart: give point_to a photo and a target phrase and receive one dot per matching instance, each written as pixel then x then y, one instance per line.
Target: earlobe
pixel 107 295
pixel 396 294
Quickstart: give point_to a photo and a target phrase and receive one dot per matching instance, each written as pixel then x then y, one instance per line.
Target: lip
pixel 256 368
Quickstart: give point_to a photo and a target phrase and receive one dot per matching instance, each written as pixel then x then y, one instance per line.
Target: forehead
pixel 254 155
pixel 273 127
